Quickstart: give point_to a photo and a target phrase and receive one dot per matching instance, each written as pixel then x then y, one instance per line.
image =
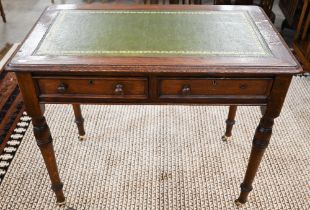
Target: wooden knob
pixel 119 89
pixel 186 90
pixel 243 86
pixel 62 88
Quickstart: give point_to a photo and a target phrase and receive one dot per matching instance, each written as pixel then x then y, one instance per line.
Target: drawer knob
pixel 243 86
pixel 119 89
pixel 62 88
pixel 186 90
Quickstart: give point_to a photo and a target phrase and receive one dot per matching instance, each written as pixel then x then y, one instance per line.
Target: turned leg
pixel 263 110
pixel 44 141
pixel 259 145
pixel 41 132
pixel 79 120
pixel 230 122
pixel 263 134
pixel 2 12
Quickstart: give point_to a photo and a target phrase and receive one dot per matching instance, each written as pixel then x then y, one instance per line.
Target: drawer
pixel 208 87
pixel 104 87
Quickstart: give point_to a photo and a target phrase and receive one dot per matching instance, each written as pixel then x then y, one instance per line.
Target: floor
pixel 163 157
pixel 21 16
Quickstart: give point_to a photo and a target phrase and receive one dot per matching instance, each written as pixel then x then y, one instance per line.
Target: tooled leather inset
pixel 153 33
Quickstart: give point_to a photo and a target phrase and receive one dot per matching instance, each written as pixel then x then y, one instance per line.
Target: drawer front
pixel 107 87
pixel 208 87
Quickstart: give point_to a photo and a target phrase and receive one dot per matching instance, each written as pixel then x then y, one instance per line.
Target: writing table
pixel 100 54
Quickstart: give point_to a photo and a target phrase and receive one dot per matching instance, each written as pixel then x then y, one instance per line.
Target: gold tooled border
pixel 263 49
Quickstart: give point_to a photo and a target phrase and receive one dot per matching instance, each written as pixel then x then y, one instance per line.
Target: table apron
pixel 206 101
pixel 153 90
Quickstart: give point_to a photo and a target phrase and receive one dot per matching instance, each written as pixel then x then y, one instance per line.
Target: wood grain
pixel 155 80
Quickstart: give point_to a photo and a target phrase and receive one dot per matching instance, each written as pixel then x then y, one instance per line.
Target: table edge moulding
pixel 173 77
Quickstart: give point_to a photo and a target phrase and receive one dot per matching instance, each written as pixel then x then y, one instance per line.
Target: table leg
pixel 44 141
pixel 2 12
pixel 263 134
pixel 263 109
pixel 79 120
pixel 259 145
pixel 230 122
pixel 41 132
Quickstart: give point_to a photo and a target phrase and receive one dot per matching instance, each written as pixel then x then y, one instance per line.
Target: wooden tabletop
pixel 140 38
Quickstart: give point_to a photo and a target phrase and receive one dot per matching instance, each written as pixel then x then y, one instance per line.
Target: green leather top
pixel 153 33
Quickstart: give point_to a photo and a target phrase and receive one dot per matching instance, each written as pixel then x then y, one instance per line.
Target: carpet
pixel 164 157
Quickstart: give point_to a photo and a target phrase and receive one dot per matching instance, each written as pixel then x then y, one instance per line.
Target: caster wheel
pixel 225 138
pixel 61 203
pixel 238 203
pixel 82 138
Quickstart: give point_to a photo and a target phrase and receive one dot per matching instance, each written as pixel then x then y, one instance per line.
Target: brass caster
pixel 238 203
pixel 82 138
pixel 61 203
pixel 225 138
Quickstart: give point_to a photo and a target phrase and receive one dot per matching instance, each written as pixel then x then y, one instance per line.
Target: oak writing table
pixel 100 54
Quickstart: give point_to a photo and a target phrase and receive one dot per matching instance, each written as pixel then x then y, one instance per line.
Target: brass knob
pixel 186 89
pixel 119 89
pixel 62 88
